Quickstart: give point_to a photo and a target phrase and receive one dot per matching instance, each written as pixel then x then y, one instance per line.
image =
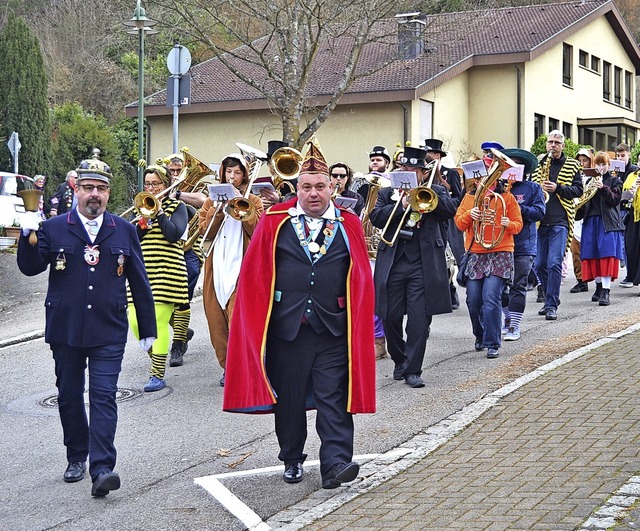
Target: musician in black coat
pixel 411 276
pixel 450 179
pixel 91 255
pixel 64 196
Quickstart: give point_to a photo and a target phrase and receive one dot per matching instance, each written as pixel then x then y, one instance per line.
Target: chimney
pixel 410 35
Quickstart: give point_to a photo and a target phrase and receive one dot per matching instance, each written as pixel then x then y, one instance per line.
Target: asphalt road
pixel 168 439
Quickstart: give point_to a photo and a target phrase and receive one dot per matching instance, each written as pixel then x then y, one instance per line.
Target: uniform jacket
pixel 432 238
pixel 247 388
pixel 63 198
pixel 86 304
pixel 532 206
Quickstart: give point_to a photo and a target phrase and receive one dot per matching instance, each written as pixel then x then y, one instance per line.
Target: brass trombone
pixel 238 208
pixel 285 165
pixel 421 199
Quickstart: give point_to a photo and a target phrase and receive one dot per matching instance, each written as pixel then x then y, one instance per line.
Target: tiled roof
pixel 455 41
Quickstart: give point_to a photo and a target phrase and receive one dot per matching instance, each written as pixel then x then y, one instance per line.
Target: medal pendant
pixel 91 254
pixel 415 216
pixel 293 213
pixel 411 223
pixel 313 247
pixel 60 264
pixel 328 232
pixel 323 250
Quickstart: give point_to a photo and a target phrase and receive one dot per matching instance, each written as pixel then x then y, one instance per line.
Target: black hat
pixel 433 144
pixel 413 156
pixel 380 151
pixel 274 145
pixel 525 157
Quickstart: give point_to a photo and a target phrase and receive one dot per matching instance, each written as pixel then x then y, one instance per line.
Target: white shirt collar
pixel 328 214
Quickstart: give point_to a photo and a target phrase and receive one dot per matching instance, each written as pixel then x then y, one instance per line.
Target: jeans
pixel 484 300
pixel 81 437
pixel 552 242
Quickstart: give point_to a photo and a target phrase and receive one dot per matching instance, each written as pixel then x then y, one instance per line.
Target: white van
pixel 11 205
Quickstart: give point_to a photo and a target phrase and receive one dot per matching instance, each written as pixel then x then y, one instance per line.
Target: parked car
pixel 11 205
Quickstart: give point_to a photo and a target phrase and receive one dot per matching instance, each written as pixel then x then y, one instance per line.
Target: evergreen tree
pixel 23 98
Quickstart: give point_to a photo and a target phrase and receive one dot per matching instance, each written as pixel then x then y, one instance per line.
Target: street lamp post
pixel 142 25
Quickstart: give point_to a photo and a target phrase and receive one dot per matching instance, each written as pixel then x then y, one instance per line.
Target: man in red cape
pixel 302 331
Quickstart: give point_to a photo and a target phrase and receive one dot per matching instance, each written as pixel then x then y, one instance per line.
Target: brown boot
pixel 381 350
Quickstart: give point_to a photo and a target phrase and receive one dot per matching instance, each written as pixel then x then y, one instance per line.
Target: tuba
pixel 490 203
pixel 285 165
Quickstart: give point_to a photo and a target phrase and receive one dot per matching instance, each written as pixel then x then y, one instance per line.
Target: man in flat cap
pixel 91 255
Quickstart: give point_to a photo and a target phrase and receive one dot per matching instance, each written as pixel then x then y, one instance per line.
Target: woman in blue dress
pixel 601 247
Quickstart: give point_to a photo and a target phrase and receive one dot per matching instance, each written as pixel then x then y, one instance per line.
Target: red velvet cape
pixel 247 388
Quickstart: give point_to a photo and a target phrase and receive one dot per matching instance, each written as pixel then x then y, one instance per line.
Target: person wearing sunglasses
pixel 341 176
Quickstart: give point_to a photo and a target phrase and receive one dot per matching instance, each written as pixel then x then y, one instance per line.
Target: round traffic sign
pixel 179 60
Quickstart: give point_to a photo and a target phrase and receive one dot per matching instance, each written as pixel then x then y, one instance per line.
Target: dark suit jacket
pixel 316 291
pixel 86 305
pixel 432 238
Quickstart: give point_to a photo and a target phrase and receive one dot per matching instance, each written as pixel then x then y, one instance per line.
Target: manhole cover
pixel 122 395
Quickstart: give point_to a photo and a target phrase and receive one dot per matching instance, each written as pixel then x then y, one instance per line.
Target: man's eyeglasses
pixel 339 175
pixel 174 170
pixel 88 188
pixel 152 185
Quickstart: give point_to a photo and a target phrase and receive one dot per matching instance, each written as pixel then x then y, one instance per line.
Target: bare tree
pixel 76 38
pixel 279 48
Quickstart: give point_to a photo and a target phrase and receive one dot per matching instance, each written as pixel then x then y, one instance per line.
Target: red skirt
pixel 599 267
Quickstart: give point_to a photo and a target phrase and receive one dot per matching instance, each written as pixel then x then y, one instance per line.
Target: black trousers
pixel 311 371
pixel 406 296
pixel 81 436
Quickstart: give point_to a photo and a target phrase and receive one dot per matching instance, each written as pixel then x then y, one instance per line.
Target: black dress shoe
pixel 552 315
pixel 543 310
pixel 580 287
pixel 75 471
pixel 492 353
pixel 293 473
pixel 398 371
pixel 105 483
pixel 340 473
pixel 479 346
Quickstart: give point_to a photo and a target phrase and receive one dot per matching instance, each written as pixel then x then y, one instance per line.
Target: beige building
pixel 508 74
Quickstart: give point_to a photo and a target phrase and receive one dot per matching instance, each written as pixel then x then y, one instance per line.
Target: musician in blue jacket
pixel 91 255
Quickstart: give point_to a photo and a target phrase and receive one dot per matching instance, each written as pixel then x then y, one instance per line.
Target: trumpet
pixel 422 200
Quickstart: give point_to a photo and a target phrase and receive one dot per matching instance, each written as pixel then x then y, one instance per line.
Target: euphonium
pixel 489 203
pixel 589 191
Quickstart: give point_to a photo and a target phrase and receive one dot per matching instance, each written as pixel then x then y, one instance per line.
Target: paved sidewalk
pixel 549 455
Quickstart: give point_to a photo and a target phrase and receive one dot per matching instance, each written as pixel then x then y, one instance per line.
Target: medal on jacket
pixel 61 260
pixel 120 269
pixel 91 254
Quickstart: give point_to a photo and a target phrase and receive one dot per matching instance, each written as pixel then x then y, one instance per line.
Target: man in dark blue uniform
pixel 92 254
